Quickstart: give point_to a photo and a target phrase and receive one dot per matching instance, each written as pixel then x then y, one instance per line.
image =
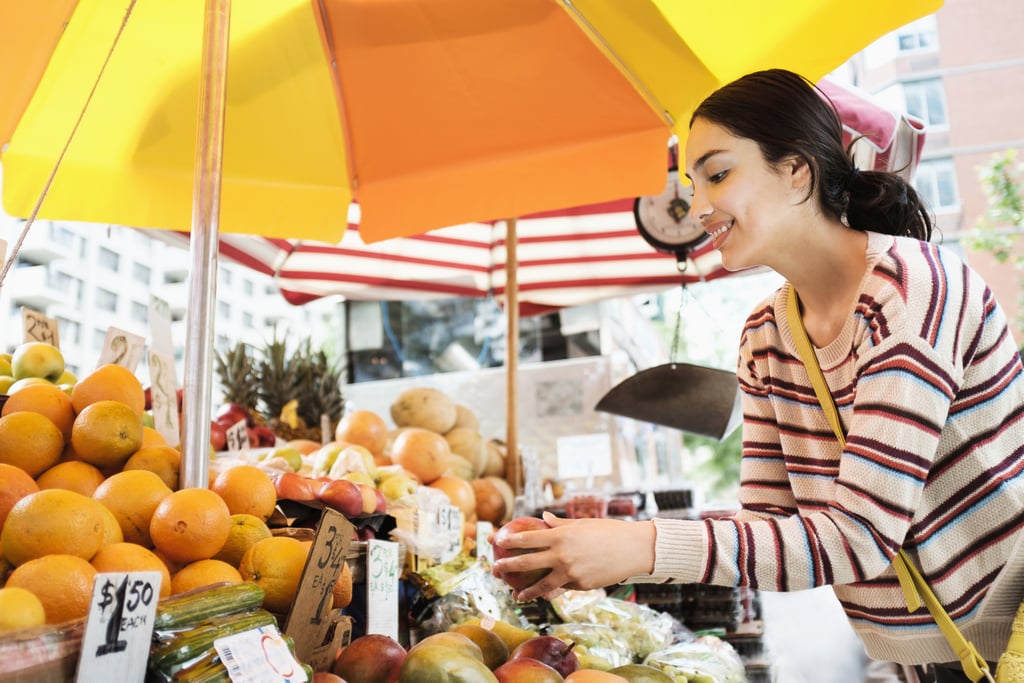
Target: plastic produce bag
pixel 645 630
pixel 463 592
pixel 598 640
pixel 707 659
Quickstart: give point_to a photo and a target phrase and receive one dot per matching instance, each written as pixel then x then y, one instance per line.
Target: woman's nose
pixel 699 208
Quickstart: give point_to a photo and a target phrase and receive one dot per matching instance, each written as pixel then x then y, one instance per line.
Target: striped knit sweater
pixel 930 390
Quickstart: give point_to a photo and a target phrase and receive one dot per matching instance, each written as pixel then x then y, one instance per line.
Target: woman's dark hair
pixel 786 115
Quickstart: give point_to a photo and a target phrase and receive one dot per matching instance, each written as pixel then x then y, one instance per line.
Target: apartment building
pixel 961 70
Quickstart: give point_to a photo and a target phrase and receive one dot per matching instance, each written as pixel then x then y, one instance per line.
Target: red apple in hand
pixel 519 580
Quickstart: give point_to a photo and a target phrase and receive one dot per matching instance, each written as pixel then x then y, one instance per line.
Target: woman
pixel 918 358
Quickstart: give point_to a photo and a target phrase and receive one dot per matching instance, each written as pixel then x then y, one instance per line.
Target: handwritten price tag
pixel 237 437
pixel 164 392
pixel 484 549
pixel 447 523
pixel 39 328
pixel 115 644
pixel 310 618
pixel 123 348
pixel 259 655
pixel 382 572
pixel 160 325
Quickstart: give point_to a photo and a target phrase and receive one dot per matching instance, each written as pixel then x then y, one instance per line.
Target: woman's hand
pixel 581 553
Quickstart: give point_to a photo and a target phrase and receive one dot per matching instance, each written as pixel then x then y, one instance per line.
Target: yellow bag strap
pixel 915 589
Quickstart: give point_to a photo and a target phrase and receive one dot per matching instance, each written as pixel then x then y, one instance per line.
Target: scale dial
pixel 664 219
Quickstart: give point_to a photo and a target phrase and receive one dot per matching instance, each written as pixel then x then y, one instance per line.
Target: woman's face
pixel 743 203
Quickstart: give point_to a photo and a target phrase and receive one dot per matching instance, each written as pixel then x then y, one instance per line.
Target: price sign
pixel 123 348
pixel 118 630
pixel 310 620
pixel 484 549
pixel 447 524
pixel 382 574
pixel 259 655
pixel 164 392
pixel 160 325
pixel 237 437
pixel 39 328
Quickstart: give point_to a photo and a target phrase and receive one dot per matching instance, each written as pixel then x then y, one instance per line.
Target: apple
pixel 218 436
pixel 531 670
pixel 397 486
pixel 327 677
pixel 231 414
pixel 369 494
pixel 372 658
pixel 265 436
pixel 519 580
pixel 147 395
pixel 382 502
pixel 342 495
pixel 293 486
pixel 37 359
pixel 549 650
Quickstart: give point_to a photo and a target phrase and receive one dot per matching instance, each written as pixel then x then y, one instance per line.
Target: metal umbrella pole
pixel 198 375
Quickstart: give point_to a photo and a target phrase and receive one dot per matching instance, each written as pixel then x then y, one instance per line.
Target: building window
pixel 140 312
pixel 106 300
pixel 918 35
pixel 141 273
pixel 70 330
pixel 99 338
pixel 247 287
pixel 926 101
pixel 223 309
pixel 109 259
pixel 936 183
pixel 247 320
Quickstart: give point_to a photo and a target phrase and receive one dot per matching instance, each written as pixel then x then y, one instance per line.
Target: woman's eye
pixel 718 177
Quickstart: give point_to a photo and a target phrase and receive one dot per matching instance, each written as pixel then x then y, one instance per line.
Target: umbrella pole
pixel 198 374
pixel 513 468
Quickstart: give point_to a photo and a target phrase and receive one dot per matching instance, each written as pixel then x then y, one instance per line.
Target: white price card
pixel 164 393
pixel 123 348
pixel 119 628
pixel 39 328
pixel 484 549
pixel 160 325
pixel 259 655
pixel 237 437
pixel 447 523
pixel 382 572
pixel 584 456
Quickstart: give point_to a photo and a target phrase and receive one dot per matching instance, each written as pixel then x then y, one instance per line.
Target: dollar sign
pixel 108 588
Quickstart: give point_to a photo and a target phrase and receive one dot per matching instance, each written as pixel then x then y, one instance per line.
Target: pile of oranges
pixel 85 487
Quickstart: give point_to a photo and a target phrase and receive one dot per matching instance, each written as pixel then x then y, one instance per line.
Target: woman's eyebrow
pixel 703 160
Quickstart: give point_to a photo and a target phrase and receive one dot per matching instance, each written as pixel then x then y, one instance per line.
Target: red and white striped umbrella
pixel 564 258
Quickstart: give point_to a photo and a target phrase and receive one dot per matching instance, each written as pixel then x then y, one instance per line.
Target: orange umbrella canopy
pixel 428 112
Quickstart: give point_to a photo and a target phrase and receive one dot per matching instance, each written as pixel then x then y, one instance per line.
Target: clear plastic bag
pixel 707 659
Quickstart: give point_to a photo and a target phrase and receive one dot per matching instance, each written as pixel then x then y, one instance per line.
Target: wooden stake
pixel 513 468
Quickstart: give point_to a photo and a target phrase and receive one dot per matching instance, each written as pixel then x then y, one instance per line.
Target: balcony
pixel 40 247
pixel 33 287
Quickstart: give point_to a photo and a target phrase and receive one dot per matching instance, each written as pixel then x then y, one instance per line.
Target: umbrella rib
pixel 53 173
pixel 638 83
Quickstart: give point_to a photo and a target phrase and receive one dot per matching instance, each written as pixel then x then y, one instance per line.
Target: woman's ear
pixel 799 171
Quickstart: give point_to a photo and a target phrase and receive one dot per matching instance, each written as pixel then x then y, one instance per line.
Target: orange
pixel 133 497
pixel 247 490
pixel 203 573
pixel 80 477
pixel 20 608
pixel 111 527
pixel 48 400
pixel 163 461
pixel 190 524
pixel 63 584
pixel 245 530
pixel 52 521
pixel 30 441
pixel 460 493
pixel 172 566
pixel 151 437
pixel 424 453
pixel 364 428
pixel 109 383
pixel 275 564
pixel 132 557
pixel 304 446
pixel 105 433
pixel 15 484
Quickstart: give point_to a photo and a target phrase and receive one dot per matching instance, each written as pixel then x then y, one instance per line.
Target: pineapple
pixel 277 378
pixel 238 378
pixel 318 389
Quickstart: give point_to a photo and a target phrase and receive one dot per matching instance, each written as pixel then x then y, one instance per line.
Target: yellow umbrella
pixel 428 112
